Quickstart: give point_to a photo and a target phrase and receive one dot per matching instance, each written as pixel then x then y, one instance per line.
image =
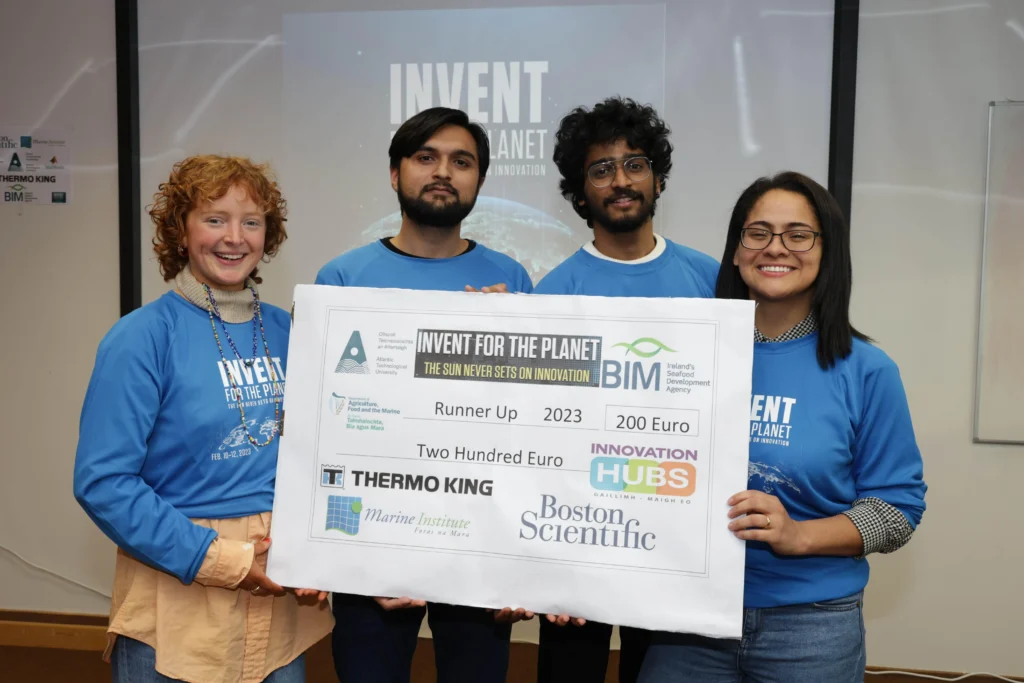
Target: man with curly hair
pixel 615 161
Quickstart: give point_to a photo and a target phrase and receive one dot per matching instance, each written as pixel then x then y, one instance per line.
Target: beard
pixel 422 211
pixel 622 224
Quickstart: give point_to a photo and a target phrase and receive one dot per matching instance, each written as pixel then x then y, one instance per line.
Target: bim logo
pixel 651 347
pixel 353 360
pixel 343 514
pixel 634 375
pixel 643 476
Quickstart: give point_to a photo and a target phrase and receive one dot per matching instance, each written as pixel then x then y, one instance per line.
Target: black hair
pixel 830 301
pixel 415 132
pixel 613 119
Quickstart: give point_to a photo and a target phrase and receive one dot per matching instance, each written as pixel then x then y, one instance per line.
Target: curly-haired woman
pixel 177 448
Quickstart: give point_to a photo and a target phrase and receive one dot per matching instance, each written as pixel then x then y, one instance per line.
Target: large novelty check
pixel 562 454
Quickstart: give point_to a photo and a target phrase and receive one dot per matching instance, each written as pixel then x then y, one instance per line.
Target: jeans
pixel 812 643
pixel 373 645
pixel 133 661
pixel 580 653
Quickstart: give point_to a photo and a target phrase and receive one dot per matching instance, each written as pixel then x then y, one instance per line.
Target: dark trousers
pixel 580 653
pixel 372 645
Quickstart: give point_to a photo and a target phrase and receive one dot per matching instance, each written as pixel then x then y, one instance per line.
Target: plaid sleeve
pixel 882 527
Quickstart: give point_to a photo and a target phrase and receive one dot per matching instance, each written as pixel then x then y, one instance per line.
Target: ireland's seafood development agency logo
pixel 353 360
pixel 651 347
pixel 635 374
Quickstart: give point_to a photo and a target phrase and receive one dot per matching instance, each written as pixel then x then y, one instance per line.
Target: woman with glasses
pixel 177 449
pixel 835 473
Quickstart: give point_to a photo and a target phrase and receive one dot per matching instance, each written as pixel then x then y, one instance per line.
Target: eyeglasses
pixel 602 173
pixel 793 240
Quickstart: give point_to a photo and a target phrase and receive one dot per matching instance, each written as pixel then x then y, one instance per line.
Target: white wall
pixel 59 275
pixel 951 599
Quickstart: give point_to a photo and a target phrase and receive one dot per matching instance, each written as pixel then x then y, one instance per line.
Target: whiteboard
pixel 1000 380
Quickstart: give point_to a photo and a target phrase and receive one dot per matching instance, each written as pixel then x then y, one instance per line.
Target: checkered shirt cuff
pixel 882 527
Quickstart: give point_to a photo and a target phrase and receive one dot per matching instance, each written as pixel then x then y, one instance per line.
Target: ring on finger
pixel 768 522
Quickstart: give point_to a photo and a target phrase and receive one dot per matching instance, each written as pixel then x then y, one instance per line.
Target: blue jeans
pixel 372 645
pixel 823 641
pixel 135 662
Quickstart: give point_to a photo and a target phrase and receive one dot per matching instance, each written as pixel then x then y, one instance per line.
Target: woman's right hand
pixel 256 581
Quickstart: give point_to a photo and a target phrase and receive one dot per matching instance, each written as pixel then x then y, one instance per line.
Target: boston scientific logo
pixel 343 514
pixel 590 525
pixel 353 360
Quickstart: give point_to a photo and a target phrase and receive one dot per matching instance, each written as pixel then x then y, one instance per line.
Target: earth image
pixel 533 238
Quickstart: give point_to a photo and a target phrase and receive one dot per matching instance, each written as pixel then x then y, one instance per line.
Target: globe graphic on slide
pixel 533 238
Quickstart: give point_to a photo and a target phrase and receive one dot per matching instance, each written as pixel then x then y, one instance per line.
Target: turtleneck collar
pixel 234 307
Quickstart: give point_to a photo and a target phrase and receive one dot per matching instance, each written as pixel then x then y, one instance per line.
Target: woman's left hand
pixel 762 517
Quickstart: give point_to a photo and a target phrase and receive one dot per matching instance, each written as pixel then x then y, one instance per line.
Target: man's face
pixel 625 203
pixel 437 186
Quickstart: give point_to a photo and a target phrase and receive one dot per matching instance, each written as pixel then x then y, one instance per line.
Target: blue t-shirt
pixel 374 265
pixel 820 440
pixel 161 438
pixel 678 272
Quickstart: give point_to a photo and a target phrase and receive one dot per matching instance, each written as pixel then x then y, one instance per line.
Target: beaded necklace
pixel 237 392
pixel 216 311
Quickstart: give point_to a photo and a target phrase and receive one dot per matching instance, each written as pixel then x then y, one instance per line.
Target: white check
pixel 561 454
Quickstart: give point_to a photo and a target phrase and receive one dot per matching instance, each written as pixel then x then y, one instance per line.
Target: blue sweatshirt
pixel 819 440
pixel 160 438
pixel 678 272
pixel 374 265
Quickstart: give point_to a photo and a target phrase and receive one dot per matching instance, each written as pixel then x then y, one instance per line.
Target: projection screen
pixel 317 88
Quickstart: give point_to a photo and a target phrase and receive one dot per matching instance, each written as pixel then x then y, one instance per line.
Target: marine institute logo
pixel 343 514
pixel 353 360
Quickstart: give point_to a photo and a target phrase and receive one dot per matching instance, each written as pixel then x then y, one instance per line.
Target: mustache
pixel 624 194
pixel 440 186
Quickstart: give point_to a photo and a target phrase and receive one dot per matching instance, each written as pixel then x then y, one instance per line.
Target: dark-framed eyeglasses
pixel 757 239
pixel 602 173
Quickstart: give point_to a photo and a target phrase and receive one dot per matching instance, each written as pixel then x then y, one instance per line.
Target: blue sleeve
pixel 121 406
pixel 886 461
pixel 524 284
pixel 330 274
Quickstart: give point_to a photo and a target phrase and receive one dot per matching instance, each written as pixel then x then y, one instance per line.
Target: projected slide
pixel 317 87
pixel 351 78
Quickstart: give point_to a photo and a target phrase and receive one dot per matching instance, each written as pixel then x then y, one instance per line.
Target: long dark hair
pixel 830 302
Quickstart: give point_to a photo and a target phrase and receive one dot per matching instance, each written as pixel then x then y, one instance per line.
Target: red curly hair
pixel 200 179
